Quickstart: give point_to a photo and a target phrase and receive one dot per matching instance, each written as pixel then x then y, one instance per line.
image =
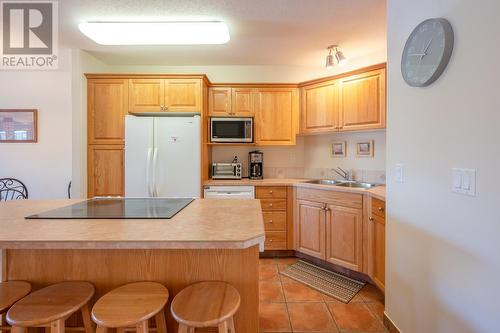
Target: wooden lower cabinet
pixel 376 243
pixel 276 206
pixel 344 236
pixel 311 228
pixel 329 226
pixel 105 170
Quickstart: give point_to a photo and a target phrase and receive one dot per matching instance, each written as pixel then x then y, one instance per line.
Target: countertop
pixel 205 223
pixel 376 192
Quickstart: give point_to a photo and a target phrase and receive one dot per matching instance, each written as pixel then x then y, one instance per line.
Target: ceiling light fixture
pixel 156 33
pixel 339 57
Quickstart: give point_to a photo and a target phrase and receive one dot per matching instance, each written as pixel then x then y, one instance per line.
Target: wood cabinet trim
pixel 305 128
pixel 352 200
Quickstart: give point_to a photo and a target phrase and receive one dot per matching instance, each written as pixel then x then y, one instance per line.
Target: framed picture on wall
pixel 364 148
pixel 18 125
pixel 338 149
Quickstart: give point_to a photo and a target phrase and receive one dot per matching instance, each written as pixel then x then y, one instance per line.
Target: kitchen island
pixel 208 240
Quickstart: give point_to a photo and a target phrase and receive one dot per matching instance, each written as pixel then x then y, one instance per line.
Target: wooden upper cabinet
pixel 219 102
pixel 243 102
pixel 362 101
pixel 105 173
pixel 160 95
pixel 183 95
pixel 228 102
pixel 146 95
pixel 319 108
pixel 344 236
pixel 276 114
pixel 107 107
pixel 311 228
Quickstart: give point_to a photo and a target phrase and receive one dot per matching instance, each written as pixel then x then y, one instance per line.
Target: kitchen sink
pixel 343 183
pixel 356 185
pixel 325 181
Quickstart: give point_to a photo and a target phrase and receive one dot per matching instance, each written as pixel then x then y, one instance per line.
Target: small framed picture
pixel 338 149
pixel 364 148
pixel 18 125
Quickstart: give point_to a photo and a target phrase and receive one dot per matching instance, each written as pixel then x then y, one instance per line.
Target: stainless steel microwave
pixel 231 129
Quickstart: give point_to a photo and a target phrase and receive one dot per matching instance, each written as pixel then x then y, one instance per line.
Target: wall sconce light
pixel 339 57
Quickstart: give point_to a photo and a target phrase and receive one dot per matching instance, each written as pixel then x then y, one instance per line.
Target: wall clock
pixel 427 52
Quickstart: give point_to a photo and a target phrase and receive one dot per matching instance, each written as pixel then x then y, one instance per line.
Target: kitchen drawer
pixel 274 221
pixel 275 240
pixel 335 198
pixel 270 192
pixel 273 204
pixel 378 207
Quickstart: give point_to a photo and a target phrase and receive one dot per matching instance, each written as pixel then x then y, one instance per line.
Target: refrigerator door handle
pixel 155 162
pixel 148 171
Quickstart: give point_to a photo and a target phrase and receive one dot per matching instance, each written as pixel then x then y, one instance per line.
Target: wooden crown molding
pixel 232 85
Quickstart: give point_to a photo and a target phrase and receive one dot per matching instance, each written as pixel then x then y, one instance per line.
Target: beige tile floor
pixel 289 306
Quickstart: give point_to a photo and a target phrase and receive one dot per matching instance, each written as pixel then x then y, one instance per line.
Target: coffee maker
pixel 256 164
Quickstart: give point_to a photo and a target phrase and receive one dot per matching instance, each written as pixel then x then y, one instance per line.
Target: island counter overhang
pixel 208 240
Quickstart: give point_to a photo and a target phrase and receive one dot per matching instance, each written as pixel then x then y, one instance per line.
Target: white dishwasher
pixel 229 192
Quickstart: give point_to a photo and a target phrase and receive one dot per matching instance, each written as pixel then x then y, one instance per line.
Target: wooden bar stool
pixel 132 305
pixel 10 293
pixel 51 306
pixel 206 304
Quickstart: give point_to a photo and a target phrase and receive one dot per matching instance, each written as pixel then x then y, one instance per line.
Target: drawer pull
pixel 270 205
pixel 370 218
pixel 270 221
pixel 380 209
pixel 270 241
pixel 271 192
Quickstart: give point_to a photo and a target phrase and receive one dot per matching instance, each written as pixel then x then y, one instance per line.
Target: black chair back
pixel 12 189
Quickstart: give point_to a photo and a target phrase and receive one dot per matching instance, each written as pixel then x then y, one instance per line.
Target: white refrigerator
pixel 162 156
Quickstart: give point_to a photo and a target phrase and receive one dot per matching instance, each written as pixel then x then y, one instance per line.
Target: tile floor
pixel 289 306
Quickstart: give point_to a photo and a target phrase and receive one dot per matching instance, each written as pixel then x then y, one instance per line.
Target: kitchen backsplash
pixel 311 158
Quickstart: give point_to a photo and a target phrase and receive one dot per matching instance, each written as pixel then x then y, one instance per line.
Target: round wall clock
pixel 427 52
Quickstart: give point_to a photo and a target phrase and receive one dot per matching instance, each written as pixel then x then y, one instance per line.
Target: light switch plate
pixel 398 173
pixel 463 181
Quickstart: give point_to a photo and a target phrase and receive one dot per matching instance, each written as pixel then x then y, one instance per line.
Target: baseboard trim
pixel 389 324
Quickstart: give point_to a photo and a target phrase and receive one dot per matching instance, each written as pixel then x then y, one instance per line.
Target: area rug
pixel 332 284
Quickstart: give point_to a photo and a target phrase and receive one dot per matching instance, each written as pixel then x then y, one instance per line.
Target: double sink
pixel 342 183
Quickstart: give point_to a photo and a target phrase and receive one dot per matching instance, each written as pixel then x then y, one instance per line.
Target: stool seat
pixel 11 292
pixel 205 304
pixel 50 304
pixel 130 304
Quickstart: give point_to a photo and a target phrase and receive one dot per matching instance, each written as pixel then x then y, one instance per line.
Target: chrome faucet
pixel 347 175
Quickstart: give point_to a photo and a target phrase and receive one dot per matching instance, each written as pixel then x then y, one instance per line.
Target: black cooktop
pixel 118 208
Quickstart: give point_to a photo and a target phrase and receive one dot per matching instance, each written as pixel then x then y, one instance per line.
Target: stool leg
pixel 223 327
pixel 183 328
pixel 161 324
pixel 231 325
pixel 101 329
pixel 142 327
pixel 87 321
pixel 18 329
pixel 57 326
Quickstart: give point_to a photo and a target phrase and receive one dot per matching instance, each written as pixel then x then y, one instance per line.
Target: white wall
pixel 45 167
pixel 443 249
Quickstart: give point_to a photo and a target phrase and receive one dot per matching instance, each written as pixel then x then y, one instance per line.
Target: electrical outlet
pixel 399 173
pixel 463 181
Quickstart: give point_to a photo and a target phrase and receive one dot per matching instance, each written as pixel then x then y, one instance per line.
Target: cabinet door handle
pixel 270 221
pixel 271 192
pixel 380 209
pixel 270 241
pixel 370 218
pixel 270 205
